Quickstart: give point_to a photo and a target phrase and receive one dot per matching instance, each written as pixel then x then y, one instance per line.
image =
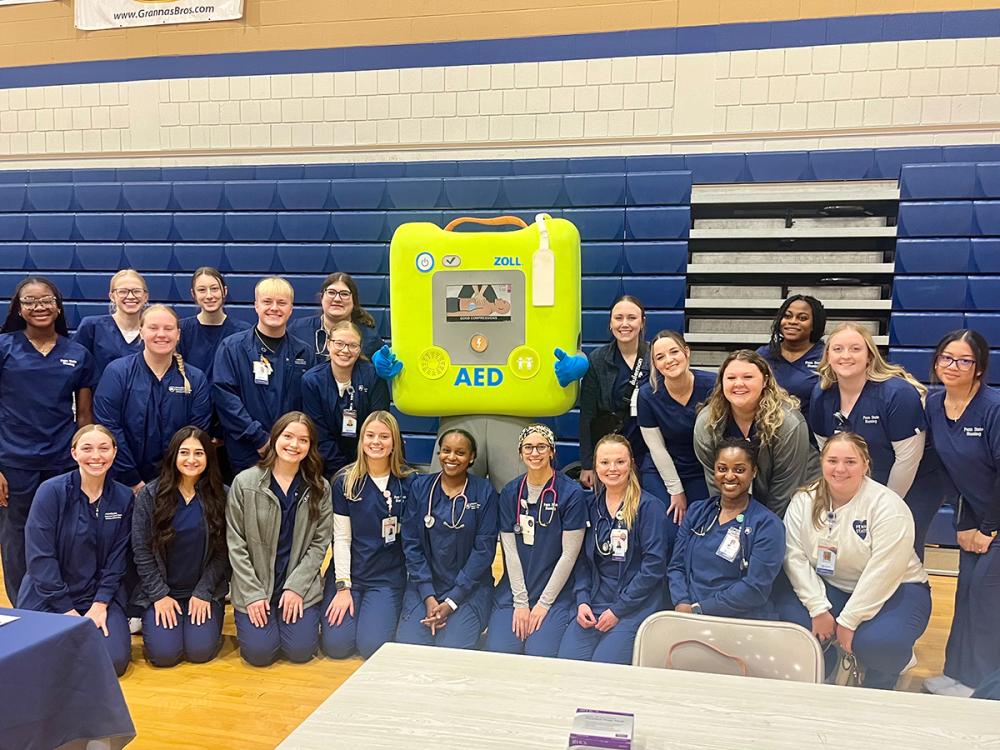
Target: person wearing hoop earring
pixel 110 337
pixel 543 518
pixel 619 577
pixel 449 544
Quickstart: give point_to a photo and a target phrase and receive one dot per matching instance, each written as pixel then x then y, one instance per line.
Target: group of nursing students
pixel 797 484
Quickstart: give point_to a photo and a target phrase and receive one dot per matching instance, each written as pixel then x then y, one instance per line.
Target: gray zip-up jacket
pixel 789 461
pixel 253 518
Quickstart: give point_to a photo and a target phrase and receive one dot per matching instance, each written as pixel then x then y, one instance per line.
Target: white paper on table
pixel 4 619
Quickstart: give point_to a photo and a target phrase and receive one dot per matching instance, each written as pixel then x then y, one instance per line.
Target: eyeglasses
pixel 126 293
pixel 32 303
pixel 539 449
pixel 338 293
pixel 340 346
pixel 962 363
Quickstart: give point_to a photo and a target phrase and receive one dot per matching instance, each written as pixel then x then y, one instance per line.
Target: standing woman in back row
pixel 43 375
pixel 964 421
pixel 201 334
pixel 796 346
pixel 339 303
pixel 609 391
pixel 860 392
pixel 109 337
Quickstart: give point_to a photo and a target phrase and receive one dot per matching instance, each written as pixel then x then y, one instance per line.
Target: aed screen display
pixel 478 303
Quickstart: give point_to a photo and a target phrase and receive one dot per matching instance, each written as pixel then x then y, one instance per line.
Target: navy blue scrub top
pixel 312 332
pixel 374 563
pixel 969 448
pixel 608 569
pixel 101 336
pixel 36 401
pixel 199 342
pixel 623 377
pixel 798 377
pixel 186 553
pixel 884 413
pixel 675 421
pixel 288 502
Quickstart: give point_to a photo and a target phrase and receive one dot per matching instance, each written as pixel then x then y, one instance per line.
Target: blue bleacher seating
pixel 240 288
pixel 922 328
pixel 984 293
pixel 232 172
pixel 409 423
pixel 12 197
pixel 600 292
pixel 988 180
pixel 14 256
pixel 49 197
pixel 96 227
pixel 659 188
pixel 539 166
pixel 327 171
pixel 302 226
pixel 303 258
pixel 149 256
pixel 374 290
pixel 50 175
pixel 147 196
pixel 843 164
pixel 532 191
pixel 584 190
pixel 473 192
pixel 922 256
pixel 279 172
pixel 889 161
pixel 98 196
pixel 208 226
pixel 247 226
pixel 189 258
pixel 942 528
pixel 360 258
pixel 60 256
pixel 250 258
pixel 148 227
pixel 92 175
pixel 916 361
pixel 432 169
pixel 380 169
pixel 354 226
pixel 352 195
pixel 303 195
pixel 985 254
pixel 716 168
pixel 8 176
pixel 198 196
pixel 597 224
pixel 249 195
pixel 657 292
pixel 601 258
pixel 777 166
pixel 484 168
pixel 937 181
pixel 415 193
pixel 935 219
pixel 930 293
pixel 395 219
pixel 659 223
pixel 102 256
pixel 596 164
pixel 985 153
pixel 161 287
pixel 987 218
pixel 419 448
pixel 987 324
pixel 657 163
pixel 137 174
pixel 51 227
pixel 94 286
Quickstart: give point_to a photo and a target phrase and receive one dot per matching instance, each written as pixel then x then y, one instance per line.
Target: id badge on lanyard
pixel 262 371
pixel 826 550
pixel 349 418
pixel 390 527
pixel 527 524
pixel 619 544
pixel 729 547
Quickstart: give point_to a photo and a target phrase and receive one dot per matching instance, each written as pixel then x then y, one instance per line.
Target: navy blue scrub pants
pixel 695 489
pixel 883 644
pixel 297 642
pixel 973 650
pixel 118 641
pixel 167 647
pixel 926 495
pixel 462 629
pixel 21 485
pixel 612 647
pixel 543 642
pixel 376 614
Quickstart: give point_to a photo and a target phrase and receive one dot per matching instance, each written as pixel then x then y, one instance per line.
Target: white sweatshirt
pixel 873 534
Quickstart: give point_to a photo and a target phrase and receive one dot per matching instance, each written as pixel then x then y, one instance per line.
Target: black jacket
pixel 596 397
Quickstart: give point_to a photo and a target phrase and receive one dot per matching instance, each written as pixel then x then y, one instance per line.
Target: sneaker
pixel 958 690
pixel 936 684
pixel 135 625
pixel 912 663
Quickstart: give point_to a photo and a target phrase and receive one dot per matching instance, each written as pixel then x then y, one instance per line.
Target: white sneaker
pixel 135 625
pixel 958 690
pixel 936 684
pixel 912 663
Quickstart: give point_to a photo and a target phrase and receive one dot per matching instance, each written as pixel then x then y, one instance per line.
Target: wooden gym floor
pixel 228 704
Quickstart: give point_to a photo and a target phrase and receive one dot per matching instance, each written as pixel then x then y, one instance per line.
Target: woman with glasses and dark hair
pixel 43 376
pixel 179 543
pixel 543 517
pixel 729 549
pixel 201 334
pixel 339 394
pixel 796 346
pixel 109 337
pixel 860 392
pixel 610 389
pixel 449 540
pixel 964 422
pixel 338 298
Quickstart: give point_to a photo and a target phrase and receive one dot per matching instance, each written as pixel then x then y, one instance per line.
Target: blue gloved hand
pixel 386 365
pixel 570 368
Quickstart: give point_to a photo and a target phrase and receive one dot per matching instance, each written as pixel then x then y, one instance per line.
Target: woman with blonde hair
pixel 364 586
pixel 860 392
pixel 77 540
pixel 109 337
pixel 748 403
pixel 145 398
pixel 620 575
pixel 850 561
pixel 279 523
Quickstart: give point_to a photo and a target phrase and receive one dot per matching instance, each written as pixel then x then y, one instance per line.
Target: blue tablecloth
pixel 57 684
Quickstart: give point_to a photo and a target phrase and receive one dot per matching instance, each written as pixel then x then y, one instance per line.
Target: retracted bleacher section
pixel 79 227
pixel 947 260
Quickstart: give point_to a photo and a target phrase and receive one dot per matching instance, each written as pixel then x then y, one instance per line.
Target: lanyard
pixel 521 501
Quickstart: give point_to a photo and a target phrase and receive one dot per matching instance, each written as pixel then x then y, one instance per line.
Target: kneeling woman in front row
pixel 364 585
pixel 849 555
pixel 729 549
pixel 279 523
pixel 543 517
pixel 179 544
pixel 450 540
pixel 76 543
pixel 619 575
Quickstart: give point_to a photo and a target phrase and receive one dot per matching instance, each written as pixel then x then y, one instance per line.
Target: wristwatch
pixel 343 584
pixel 696 608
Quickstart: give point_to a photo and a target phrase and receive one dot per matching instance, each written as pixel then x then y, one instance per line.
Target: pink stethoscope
pixel 520 502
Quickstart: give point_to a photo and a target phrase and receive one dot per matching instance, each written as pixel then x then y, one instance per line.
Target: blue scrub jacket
pixel 52 544
pixel 738 593
pixel 642 575
pixel 248 410
pixel 100 335
pixel 322 401
pixel 312 332
pixel 124 403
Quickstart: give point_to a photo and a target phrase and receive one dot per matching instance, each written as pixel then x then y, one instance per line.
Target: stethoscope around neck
pixel 456 523
pixel 604 547
pixel 521 502
pixel 704 529
pixel 386 493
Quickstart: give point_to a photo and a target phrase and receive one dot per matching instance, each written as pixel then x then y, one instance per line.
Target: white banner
pixel 22 2
pixel 117 14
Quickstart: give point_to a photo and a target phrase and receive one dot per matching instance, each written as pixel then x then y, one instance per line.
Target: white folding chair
pixel 722 645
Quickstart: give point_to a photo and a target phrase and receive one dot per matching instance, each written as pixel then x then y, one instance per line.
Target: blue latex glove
pixel 386 365
pixel 569 368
